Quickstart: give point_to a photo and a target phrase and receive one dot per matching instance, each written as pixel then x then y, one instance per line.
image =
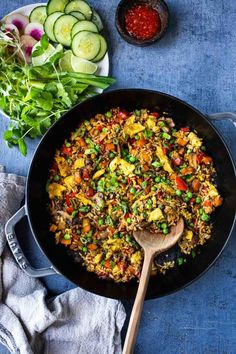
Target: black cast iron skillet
pixel 36 196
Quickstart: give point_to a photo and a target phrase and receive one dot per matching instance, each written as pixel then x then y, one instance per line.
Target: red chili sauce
pixel 142 22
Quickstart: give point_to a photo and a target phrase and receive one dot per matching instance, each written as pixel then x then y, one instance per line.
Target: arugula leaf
pixel 22 146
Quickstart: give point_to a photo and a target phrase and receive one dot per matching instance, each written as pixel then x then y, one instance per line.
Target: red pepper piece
pixel 185 129
pixel 164 150
pixel 181 184
pixel 85 174
pixel 100 127
pixel 178 161
pixel 90 192
pixel 155 114
pixel 70 210
pixel 200 156
pixel 67 151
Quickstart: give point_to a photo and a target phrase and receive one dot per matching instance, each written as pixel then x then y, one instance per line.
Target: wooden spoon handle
pixel 132 331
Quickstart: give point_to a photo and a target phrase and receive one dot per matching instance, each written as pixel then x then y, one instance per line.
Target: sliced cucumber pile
pixel 74 25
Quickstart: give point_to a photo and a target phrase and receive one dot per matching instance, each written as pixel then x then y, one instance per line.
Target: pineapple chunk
pixel 98 258
pixel 69 182
pixel 131 128
pixel 99 173
pixel 163 159
pixel 136 258
pixel 126 167
pixel 55 190
pixel 155 215
pixel 62 166
pixel 194 140
pixel 79 163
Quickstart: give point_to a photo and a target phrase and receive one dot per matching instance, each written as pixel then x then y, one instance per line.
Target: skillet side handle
pixel 223 116
pixel 17 251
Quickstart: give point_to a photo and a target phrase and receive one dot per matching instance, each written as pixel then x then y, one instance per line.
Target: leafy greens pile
pixel 35 97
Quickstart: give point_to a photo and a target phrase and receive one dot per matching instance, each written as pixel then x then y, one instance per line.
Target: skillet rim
pixel 110 92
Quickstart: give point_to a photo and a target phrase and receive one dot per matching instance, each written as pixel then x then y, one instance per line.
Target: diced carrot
pixel 65 242
pixel 53 228
pixel 207 203
pixel 77 177
pixel 110 147
pixel 187 171
pixel 145 156
pixel 195 185
pixel 86 229
pixel 145 168
pixel 182 142
pixel 107 264
pixel 92 247
pixel 81 142
pixel 181 151
pixel 207 160
pixel 218 201
pixel 140 143
pixel 104 164
pixel 131 270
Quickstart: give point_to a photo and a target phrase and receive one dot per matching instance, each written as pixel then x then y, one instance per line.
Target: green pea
pixel 132 190
pixel 154 189
pixel 129 221
pixel 128 238
pixel 78 232
pixel 198 200
pixel 205 217
pixel 203 148
pixel 121 234
pixel 84 249
pixel 116 236
pixel 68 145
pixel 186 199
pixel 108 114
pixel 56 178
pixel 132 159
pixel 135 211
pixel 100 222
pixel 162 124
pixel 158 179
pixel 164 225
pixel 89 239
pixel 111 155
pixel 137 113
pixel 69 160
pixel 104 130
pixel 144 184
pixel 144 215
pixel 189 194
pixel 189 151
pixel 67 236
pixel 178 192
pixel 165 231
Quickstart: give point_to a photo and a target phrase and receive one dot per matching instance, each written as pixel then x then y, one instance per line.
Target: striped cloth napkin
pixel 73 322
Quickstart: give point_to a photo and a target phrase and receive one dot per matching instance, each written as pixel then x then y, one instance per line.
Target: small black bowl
pixel 125 5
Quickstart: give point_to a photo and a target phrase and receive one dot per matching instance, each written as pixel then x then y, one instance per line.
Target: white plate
pixel 103 65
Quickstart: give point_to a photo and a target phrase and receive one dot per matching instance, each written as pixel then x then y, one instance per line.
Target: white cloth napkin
pixel 73 322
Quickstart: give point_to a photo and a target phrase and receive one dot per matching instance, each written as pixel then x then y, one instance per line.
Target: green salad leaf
pixel 35 97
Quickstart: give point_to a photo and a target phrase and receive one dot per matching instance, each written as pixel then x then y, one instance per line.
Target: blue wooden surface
pixel 195 61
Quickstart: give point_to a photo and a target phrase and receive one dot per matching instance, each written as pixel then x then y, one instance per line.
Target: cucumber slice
pixel 56 5
pixel 38 14
pixel 49 24
pixel 78 15
pixel 97 20
pixel 83 26
pixel 86 45
pixel 62 29
pixel 103 49
pixel 81 6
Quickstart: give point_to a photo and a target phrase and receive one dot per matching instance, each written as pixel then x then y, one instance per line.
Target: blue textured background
pixel 195 61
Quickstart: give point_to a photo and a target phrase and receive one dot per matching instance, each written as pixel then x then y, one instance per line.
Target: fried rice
pixel 122 171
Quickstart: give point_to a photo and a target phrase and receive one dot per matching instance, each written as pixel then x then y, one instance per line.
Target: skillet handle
pixel 225 115
pixel 17 251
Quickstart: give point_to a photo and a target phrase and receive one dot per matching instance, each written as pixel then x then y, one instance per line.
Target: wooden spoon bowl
pixel 152 245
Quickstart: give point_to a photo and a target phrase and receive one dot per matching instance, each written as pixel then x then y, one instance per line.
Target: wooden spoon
pixel 152 245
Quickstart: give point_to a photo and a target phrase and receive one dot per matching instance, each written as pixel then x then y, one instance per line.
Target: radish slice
pixel 27 43
pixel 19 20
pixel 11 28
pixel 34 30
